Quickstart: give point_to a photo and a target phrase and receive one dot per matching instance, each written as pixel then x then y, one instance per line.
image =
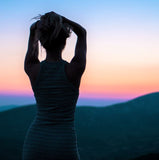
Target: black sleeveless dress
pixel 52 134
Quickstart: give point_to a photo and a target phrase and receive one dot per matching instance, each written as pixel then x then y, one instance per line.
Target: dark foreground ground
pixel 124 131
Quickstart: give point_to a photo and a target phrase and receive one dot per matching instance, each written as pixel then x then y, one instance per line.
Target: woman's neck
pixel 53 56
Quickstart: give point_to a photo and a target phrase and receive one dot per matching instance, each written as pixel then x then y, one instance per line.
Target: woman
pixel 55 83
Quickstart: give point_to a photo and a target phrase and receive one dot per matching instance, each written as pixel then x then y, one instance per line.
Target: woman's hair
pixel 52 31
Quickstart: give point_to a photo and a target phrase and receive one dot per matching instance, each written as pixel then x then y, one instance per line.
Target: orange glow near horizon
pixel 93 88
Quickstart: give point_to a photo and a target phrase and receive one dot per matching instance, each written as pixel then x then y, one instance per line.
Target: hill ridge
pixel 122 131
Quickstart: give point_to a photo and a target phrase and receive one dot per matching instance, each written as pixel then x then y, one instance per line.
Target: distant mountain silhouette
pixel 4 108
pixel 146 100
pixel 119 132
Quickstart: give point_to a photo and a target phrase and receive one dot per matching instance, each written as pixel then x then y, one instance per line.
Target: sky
pixel 122 45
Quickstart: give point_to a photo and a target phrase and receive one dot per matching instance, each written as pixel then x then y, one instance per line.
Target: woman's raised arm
pixel 78 62
pixel 31 57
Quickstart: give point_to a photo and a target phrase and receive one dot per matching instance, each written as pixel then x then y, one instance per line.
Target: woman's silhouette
pixel 55 83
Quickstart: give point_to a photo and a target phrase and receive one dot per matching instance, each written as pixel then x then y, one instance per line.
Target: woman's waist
pixel 56 121
pixel 45 127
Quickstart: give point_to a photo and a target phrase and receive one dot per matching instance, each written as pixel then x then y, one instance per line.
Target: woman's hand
pixel 33 27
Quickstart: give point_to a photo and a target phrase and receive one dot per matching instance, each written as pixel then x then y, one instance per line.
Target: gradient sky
pixel 123 44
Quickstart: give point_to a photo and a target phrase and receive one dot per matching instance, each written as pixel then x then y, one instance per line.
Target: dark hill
pixel 119 132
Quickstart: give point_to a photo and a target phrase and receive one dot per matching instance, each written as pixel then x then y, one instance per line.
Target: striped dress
pixel 52 134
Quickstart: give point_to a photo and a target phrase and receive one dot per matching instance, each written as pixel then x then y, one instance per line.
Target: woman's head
pixel 52 31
